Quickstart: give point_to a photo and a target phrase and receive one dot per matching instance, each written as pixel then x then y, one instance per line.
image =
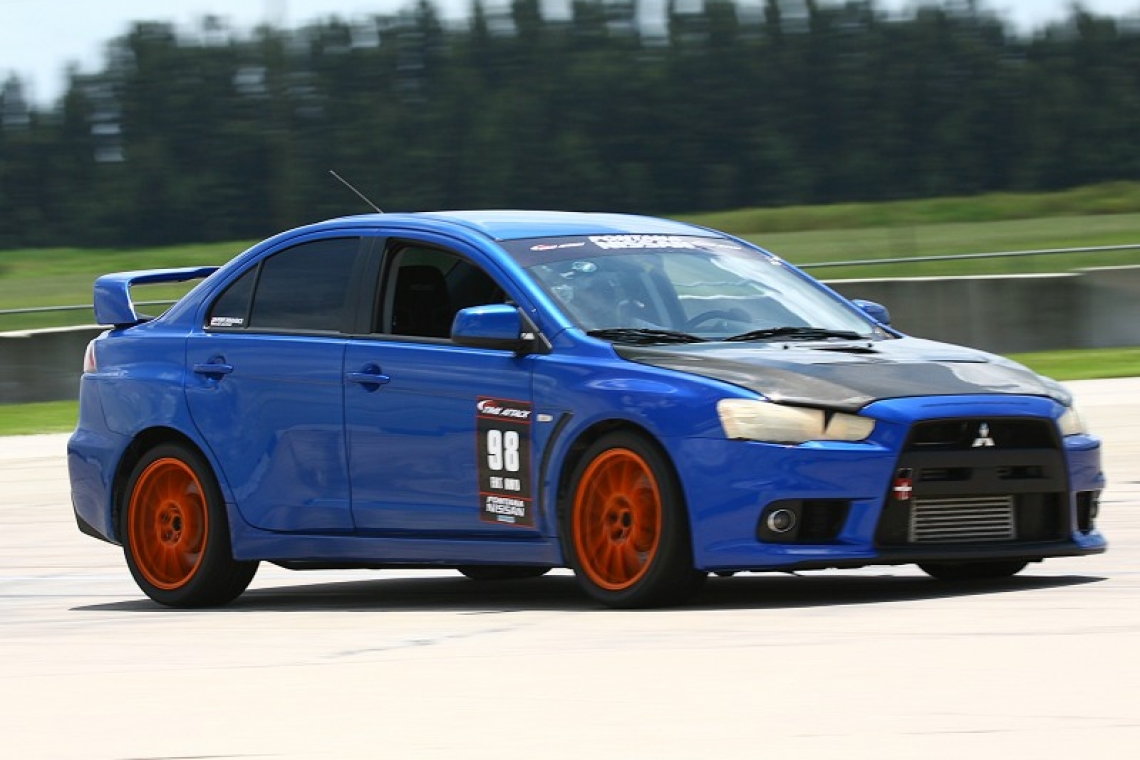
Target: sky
pixel 40 38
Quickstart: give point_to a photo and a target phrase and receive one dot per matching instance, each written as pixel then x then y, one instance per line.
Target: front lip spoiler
pixel 1029 552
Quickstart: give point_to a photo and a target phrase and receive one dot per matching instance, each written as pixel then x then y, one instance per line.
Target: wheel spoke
pixel 643 538
pixel 614 563
pixel 168 565
pixel 597 543
pixel 631 562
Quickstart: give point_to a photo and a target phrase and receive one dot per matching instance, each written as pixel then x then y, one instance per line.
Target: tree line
pixel 221 135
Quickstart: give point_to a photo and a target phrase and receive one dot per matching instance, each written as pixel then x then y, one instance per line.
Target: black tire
pixel 625 527
pixel 973 571
pixel 502 572
pixel 175 532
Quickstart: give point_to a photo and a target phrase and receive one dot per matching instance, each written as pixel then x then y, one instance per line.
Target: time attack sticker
pixel 503 431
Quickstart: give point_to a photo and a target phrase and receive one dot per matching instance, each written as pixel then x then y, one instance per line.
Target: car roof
pixel 519 224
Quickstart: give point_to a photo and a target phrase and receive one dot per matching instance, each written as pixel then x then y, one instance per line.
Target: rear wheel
pixel 175 532
pixel 972 571
pixel 502 572
pixel 626 528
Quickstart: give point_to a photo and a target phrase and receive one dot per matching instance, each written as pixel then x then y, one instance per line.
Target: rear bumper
pixel 93 453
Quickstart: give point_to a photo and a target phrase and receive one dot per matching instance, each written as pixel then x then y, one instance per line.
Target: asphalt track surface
pixel 876 663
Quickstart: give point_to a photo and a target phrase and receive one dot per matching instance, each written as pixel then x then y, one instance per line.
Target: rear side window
pixel 232 307
pixel 301 288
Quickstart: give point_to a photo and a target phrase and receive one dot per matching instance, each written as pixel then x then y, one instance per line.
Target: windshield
pixel 673 288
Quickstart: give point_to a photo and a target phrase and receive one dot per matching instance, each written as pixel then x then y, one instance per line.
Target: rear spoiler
pixel 113 303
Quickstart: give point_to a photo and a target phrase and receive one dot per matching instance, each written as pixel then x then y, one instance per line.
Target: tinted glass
pixel 305 287
pixel 232 307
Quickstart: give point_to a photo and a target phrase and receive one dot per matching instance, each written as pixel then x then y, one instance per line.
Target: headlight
pixel 1071 423
pixel 773 423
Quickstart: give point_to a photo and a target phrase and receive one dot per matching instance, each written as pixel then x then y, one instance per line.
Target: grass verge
pixel 33 419
pixel 1086 364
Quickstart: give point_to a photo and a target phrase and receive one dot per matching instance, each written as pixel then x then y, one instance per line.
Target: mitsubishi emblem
pixel 984 439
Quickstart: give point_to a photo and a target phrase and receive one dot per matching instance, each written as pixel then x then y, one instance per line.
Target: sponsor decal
pixel 903 487
pixel 503 446
pixel 984 438
pixel 226 321
pixel 555 246
pixel 489 407
pixel 611 242
pixel 717 245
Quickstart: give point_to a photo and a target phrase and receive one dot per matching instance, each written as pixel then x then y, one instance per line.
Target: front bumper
pixel 1041 490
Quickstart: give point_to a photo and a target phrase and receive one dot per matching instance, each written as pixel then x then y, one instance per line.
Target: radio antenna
pixel 362 196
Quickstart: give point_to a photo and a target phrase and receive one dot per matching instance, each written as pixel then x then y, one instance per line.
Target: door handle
pixel 369 375
pixel 213 368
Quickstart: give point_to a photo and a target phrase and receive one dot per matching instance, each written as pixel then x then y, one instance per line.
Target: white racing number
pixel 503 450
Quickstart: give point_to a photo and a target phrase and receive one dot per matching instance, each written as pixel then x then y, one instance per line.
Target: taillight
pixel 89 363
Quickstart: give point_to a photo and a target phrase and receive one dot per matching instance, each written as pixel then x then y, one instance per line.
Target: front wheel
pixel 175 532
pixel 972 571
pixel 625 526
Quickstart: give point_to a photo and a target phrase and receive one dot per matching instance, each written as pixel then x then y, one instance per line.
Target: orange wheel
pixel 168 523
pixel 625 526
pixel 617 519
pixel 175 533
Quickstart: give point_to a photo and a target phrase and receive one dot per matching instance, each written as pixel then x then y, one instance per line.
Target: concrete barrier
pixel 1110 307
pixel 42 365
pixel 1003 314
pixel 1089 308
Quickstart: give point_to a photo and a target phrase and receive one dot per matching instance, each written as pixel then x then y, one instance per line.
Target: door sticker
pixel 503 432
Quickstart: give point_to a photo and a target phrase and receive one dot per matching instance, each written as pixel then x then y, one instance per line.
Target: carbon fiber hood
pixel 848 376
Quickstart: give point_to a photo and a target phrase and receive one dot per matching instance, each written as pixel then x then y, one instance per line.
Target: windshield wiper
pixel 643 336
pixel 801 333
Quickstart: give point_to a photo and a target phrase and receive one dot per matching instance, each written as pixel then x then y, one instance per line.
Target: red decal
pixel 904 485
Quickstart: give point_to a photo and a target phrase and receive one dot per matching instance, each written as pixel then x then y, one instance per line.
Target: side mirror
pixel 498 326
pixel 875 311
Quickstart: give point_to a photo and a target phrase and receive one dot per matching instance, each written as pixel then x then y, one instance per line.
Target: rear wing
pixel 113 303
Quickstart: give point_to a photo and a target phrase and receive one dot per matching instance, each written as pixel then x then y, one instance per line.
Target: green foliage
pixel 218 135
pixel 1104 199
pixel 31 419
pixel 1084 365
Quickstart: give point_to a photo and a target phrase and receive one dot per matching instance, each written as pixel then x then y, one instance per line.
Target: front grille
pixel 962 519
pixel 982 432
pixel 977 480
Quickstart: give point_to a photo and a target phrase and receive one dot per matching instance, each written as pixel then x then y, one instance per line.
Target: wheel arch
pixel 144 441
pixel 586 438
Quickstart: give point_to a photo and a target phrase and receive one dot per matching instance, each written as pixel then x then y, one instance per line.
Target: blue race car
pixel 504 392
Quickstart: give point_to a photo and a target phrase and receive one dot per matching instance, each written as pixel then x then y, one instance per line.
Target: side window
pixel 301 288
pixel 232 307
pixel 424 289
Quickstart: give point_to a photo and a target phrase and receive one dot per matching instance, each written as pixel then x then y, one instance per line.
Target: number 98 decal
pixel 503 432
pixel 503 450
